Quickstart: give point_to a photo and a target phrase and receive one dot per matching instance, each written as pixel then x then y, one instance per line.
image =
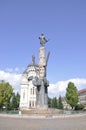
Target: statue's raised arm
pixel 43 40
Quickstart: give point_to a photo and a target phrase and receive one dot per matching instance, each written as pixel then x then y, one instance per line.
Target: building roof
pixel 81 91
pixel 33 64
pixel 30 65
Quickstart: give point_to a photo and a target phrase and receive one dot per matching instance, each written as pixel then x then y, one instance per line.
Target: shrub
pixel 79 107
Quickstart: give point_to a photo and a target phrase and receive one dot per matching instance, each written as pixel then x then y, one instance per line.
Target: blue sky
pixel 62 21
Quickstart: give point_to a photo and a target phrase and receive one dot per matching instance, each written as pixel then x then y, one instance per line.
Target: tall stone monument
pixel 42 83
pixel 34 85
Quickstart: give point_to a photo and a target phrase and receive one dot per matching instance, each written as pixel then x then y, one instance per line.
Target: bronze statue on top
pixel 43 40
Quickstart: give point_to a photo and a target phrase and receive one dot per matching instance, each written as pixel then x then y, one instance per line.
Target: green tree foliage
pixel 79 107
pixel 15 101
pixel 71 95
pixel 59 103
pixel 49 102
pixel 6 92
pixel 54 102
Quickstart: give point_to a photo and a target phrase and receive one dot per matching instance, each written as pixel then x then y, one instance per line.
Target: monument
pixel 34 84
pixel 41 82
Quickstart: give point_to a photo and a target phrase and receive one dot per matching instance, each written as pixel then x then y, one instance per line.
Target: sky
pixel 63 22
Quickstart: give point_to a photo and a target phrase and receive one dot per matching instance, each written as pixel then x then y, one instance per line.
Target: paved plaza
pixel 48 123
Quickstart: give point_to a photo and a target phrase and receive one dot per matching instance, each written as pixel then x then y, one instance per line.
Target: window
pixel 24 94
pixel 31 91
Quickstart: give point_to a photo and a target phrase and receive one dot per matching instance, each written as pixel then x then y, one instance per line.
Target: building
pixel 65 105
pixel 28 90
pixel 82 96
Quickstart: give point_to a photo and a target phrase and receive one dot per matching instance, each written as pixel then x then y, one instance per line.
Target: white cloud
pixel 9 69
pixel 60 87
pixel 56 89
pixel 16 69
pixel 12 70
pixel 13 78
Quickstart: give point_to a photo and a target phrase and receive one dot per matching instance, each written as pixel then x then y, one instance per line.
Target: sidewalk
pixel 49 116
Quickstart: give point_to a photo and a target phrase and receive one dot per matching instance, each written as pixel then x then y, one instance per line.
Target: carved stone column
pixel 42 62
pixel 42 92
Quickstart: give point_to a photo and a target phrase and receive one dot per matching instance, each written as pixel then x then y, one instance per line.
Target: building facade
pixel 82 96
pixel 28 90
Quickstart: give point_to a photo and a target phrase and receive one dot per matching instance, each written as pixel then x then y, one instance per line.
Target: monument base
pixel 42 107
pixel 41 111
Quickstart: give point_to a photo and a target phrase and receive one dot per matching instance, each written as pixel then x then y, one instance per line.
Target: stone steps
pixel 41 111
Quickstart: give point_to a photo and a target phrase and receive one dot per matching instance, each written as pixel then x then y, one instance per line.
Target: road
pixel 62 123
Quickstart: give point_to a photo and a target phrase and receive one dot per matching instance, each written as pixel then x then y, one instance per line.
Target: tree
pixel 59 103
pixel 49 102
pixel 15 101
pixel 71 95
pixel 6 92
pixel 79 107
pixel 54 102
